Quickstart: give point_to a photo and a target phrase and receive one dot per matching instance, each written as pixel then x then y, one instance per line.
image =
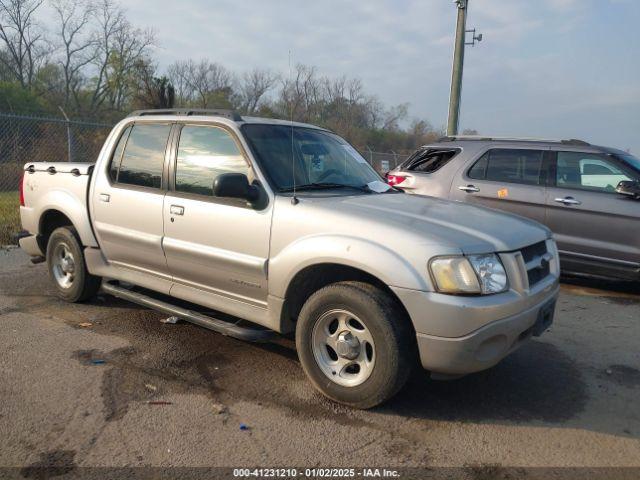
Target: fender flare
pixel 73 208
pixel 366 255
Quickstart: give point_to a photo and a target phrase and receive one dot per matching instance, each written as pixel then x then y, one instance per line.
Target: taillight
pixel 394 180
pixel 22 190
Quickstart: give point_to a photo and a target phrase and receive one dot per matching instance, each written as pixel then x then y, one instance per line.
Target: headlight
pixel 493 278
pixel 473 274
pixel 454 275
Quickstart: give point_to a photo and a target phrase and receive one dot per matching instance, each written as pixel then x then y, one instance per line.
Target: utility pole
pixel 456 71
pixel 458 65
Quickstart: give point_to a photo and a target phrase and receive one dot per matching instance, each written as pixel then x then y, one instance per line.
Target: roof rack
pixel 453 138
pixel 230 114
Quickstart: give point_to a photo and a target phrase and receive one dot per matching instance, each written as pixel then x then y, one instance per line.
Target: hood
pixel 430 220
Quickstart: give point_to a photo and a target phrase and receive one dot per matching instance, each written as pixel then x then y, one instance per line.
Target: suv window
pixel 204 153
pixel 143 157
pixel 117 154
pixel 429 160
pixel 510 166
pixel 588 171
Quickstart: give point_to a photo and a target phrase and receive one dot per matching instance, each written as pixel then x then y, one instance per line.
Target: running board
pixel 220 326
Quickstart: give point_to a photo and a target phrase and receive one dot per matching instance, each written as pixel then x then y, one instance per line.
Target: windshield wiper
pixel 325 186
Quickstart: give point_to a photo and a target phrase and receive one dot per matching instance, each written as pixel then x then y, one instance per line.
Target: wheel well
pixel 311 279
pixel 51 219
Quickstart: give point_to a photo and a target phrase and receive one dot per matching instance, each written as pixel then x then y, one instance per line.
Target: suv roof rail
pixel 453 138
pixel 230 114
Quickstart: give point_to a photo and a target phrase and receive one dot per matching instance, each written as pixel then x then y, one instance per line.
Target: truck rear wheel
pixel 355 344
pixel 67 267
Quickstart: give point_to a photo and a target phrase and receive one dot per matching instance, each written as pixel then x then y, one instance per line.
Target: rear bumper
pixel 29 243
pixel 486 346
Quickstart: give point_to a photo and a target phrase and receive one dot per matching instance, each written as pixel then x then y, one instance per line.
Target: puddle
pixel 51 464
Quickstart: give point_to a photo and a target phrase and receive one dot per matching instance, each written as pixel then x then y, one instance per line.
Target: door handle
pixel 105 197
pixel 176 210
pixel 469 188
pixel 568 201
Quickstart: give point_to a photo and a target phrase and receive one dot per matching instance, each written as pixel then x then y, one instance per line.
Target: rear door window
pixel 510 166
pixel 429 160
pixel 143 158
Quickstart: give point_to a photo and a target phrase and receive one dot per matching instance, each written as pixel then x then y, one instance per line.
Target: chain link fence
pixel 383 162
pixel 29 138
pixel 33 138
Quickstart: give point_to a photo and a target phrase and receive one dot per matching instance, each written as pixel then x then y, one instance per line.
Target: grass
pixel 9 217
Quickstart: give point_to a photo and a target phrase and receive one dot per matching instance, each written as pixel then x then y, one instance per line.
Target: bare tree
pixel 118 48
pixel 152 91
pixel 109 18
pixel 300 95
pixel 254 86
pixel 76 45
pixel 130 47
pixel 345 104
pixel 178 74
pixel 206 79
pixel 394 116
pixel 22 38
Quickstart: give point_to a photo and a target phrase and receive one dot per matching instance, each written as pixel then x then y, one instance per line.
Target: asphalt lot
pixel 76 395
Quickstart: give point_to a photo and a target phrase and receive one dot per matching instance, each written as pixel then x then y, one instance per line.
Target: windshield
pixel 631 160
pixel 315 157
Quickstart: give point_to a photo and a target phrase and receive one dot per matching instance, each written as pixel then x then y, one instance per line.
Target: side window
pixel 510 166
pixel 117 155
pixel 143 157
pixel 588 171
pixel 203 154
pixel 431 160
pixel 479 169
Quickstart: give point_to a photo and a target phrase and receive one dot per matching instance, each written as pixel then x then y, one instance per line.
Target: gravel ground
pixel 107 384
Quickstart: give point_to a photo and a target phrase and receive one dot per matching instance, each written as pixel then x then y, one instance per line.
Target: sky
pixel 545 68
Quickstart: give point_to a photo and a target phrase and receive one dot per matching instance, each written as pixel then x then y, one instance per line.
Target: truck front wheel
pixel 67 267
pixel 355 344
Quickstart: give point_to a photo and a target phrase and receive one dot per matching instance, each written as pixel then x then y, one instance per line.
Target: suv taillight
pixel 22 190
pixel 394 180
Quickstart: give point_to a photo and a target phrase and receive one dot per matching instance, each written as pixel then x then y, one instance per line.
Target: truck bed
pixel 59 186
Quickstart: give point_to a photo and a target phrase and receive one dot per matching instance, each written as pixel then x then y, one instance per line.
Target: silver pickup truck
pixel 284 228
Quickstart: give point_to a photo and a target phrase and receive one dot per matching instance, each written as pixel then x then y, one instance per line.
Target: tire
pixel 383 366
pixel 67 267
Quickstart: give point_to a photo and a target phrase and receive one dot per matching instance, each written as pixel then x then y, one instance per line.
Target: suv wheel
pixel 355 344
pixel 67 267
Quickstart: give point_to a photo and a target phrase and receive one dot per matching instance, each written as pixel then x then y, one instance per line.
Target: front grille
pixel 537 274
pixel 537 262
pixel 534 251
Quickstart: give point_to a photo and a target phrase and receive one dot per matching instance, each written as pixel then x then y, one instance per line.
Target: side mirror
pixel 235 185
pixel 629 188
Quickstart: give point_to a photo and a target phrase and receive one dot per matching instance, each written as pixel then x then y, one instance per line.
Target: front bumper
pixel 458 335
pixel 486 346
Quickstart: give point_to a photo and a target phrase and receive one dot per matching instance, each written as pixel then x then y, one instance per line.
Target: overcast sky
pixel 551 68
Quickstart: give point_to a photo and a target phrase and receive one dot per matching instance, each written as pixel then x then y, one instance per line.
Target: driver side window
pixel 204 153
pixel 588 171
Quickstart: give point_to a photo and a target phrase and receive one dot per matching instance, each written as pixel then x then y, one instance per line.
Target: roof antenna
pixel 294 199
